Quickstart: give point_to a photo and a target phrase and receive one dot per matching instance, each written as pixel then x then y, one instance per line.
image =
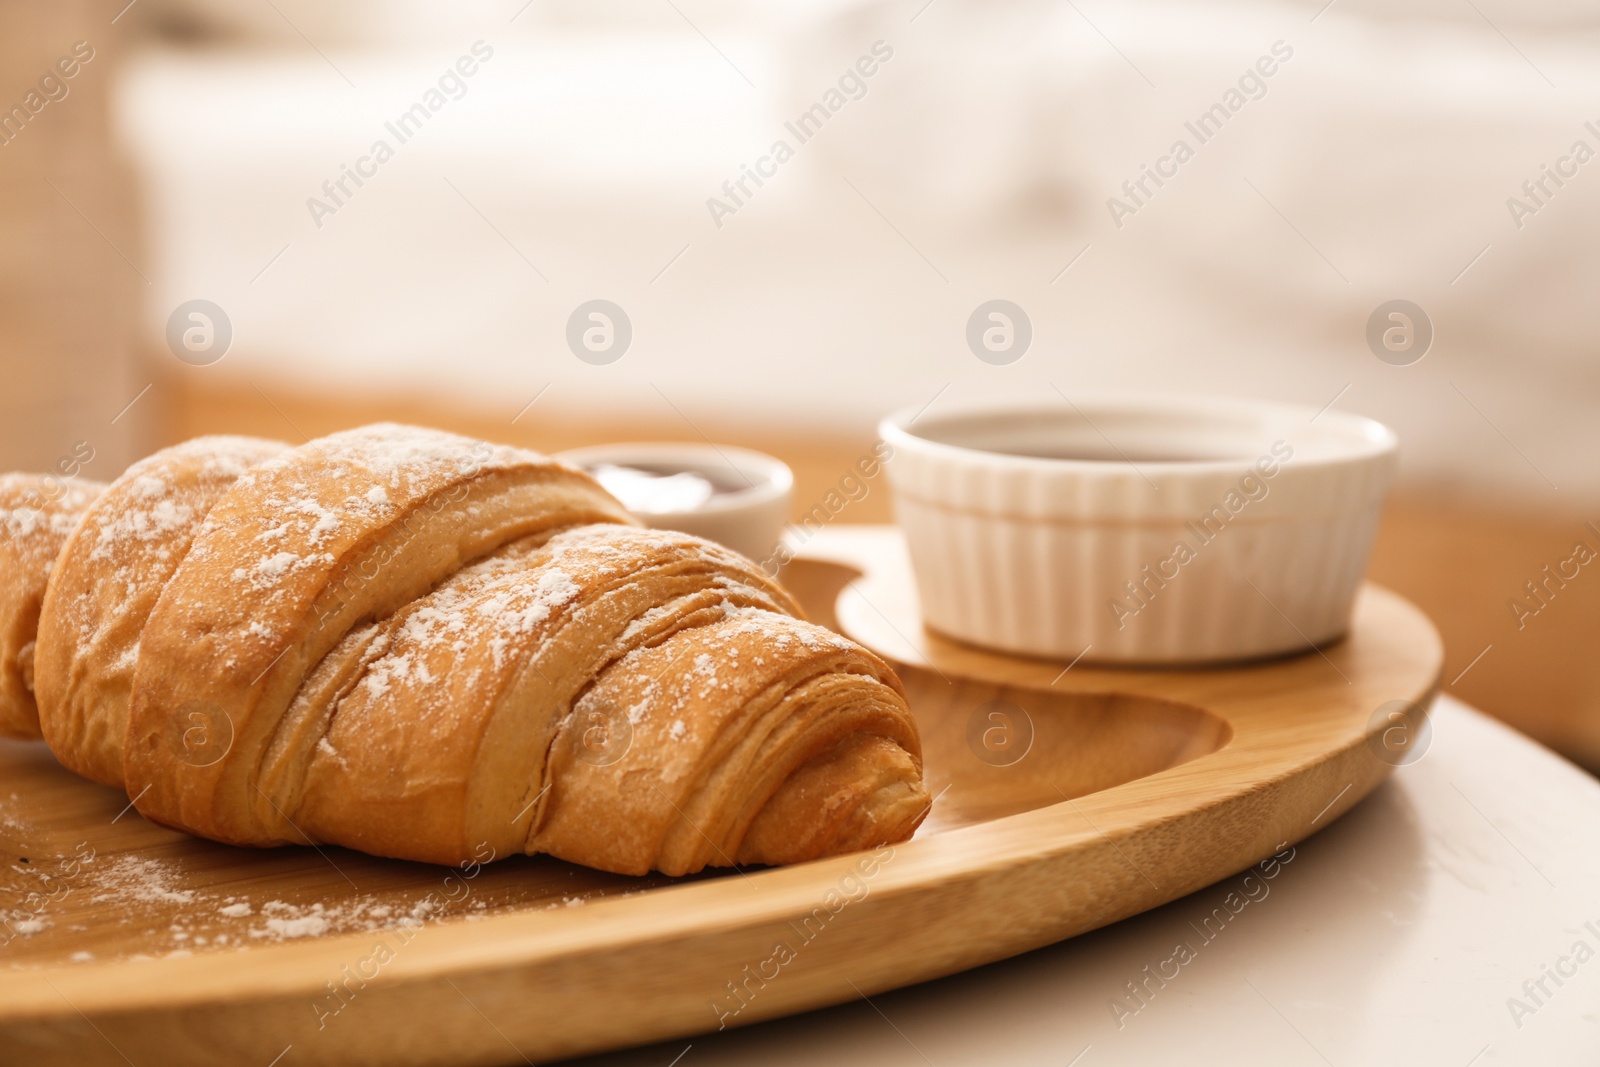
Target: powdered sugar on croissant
pixel 110 573
pixel 411 643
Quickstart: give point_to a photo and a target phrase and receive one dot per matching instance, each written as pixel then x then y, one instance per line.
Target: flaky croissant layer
pixel 411 643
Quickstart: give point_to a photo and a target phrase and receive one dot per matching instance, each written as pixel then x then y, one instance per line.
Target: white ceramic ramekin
pixel 1138 529
pixel 749 512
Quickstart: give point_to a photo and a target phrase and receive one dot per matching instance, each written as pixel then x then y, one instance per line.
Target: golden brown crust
pixel 37 515
pixel 721 719
pixel 448 731
pixel 300 552
pixel 106 582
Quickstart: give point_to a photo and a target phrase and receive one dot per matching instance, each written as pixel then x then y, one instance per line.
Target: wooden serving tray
pixel 1095 794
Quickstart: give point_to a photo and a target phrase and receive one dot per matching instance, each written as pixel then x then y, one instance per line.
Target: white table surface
pixel 1395 936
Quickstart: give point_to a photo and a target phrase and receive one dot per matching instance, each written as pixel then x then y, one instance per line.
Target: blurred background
pixel 539 154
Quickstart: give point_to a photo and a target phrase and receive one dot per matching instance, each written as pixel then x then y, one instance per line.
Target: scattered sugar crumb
pixel 132 878
pixel 313 925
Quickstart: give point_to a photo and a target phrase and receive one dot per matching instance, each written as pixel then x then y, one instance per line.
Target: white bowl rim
pixel 773 478
pixel 1364 438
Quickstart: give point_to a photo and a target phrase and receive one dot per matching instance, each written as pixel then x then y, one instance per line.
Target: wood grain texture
pixel 1137 787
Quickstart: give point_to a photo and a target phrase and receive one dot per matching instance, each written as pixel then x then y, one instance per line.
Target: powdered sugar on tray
pixel 128 879
pixel 285 920
pixel 153 903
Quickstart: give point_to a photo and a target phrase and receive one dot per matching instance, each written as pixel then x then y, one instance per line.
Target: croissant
pixel 413 644
pixel 36 514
